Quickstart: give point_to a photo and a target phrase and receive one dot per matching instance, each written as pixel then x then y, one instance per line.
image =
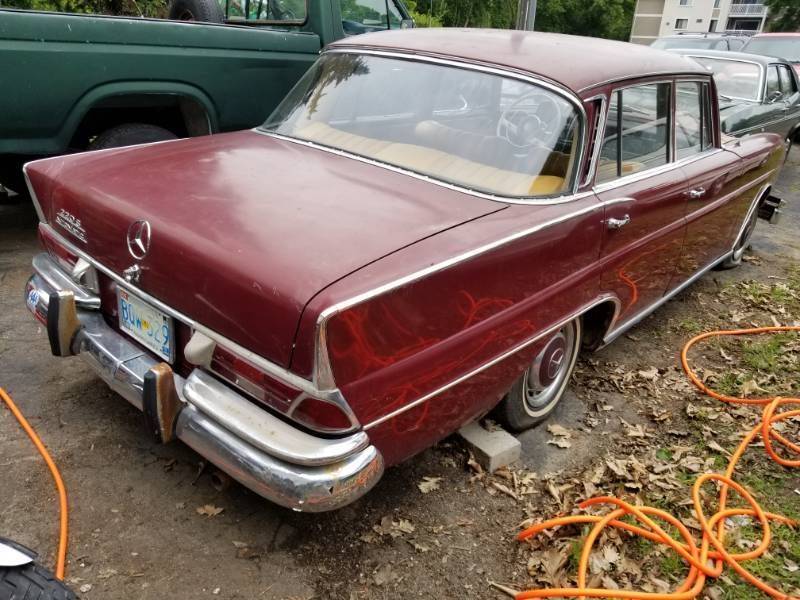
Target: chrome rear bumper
pixel 271 457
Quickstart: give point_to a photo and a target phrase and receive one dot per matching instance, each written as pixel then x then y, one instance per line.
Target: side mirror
pixel 407 24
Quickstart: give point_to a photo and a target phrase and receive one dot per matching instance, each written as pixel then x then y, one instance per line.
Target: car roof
pixel 779 34
pixel 724 54
pixel 577 63
pixel 703 34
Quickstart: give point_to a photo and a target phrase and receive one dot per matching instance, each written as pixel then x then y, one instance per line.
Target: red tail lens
pixel 250 379
pixel 64 257
pixel 315 414
pixel 322 416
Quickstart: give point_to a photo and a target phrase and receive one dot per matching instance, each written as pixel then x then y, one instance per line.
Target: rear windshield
pixel 681 42
pixel 781 47
pixel 477 130
pixel 734 79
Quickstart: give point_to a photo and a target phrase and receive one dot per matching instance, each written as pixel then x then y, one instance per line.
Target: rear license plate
pixel 146 324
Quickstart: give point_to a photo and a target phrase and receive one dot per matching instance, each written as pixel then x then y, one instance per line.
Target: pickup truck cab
pixel 85 82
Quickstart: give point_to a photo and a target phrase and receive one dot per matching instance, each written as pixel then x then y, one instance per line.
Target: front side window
pixel 477 130
pixel 692 118
pixel 637 131
pixel 734 79
pixel 364 16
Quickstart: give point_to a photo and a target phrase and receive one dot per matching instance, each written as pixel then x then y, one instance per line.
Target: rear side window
pixel 788 84
pixel 692 118
pixel 637 133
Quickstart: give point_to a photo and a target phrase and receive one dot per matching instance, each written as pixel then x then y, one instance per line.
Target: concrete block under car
pixel 492 449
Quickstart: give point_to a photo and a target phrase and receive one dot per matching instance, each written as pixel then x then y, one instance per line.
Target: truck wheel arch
pixel 181 108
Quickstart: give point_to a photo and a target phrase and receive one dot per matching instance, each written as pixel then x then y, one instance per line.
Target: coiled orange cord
pixel 711 557
pixel 62 492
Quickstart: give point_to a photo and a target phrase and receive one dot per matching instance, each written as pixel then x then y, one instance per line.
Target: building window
pixel 681 23
pixel 716 3
pixel 686 2
pixel 712 26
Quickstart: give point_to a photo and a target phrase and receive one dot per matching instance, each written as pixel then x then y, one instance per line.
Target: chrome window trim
pixel 521 346
pixel 529 78
pixel 598 137
pixel 272 369
pixel 669 74
pixel 761 74
pixel 634 177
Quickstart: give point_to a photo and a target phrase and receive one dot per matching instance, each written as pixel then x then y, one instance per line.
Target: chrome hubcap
pixel 546 376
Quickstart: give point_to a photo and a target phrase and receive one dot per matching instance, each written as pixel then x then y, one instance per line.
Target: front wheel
pixel 540 388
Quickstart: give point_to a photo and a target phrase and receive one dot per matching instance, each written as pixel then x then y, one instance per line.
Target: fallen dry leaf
pixel 429 484
pixel 209 510
pixel 560 442
pixel 559 431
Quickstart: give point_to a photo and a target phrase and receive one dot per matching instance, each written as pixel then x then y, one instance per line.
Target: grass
pixel 764 355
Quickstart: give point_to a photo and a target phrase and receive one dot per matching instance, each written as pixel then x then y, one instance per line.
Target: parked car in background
pixel 757 93
pixel 431 223
pixel 701 40
pixel 786 45
pixel 87 82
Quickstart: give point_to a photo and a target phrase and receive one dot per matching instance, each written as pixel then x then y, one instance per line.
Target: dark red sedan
pixel 433 222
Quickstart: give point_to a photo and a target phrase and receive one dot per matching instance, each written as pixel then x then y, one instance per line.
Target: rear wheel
pixel 207 11
pixel 130 134
pixel 540 388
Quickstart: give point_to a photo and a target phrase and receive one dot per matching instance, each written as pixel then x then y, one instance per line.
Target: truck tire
pixel 130 134
pixel 32 581
pixel 207 11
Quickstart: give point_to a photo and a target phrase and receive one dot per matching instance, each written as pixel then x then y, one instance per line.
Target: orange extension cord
pixel 62 492
pixel 704 561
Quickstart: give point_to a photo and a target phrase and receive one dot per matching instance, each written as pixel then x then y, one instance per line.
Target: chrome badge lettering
pixel 71 224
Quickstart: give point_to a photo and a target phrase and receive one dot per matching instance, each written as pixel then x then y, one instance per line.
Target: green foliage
pixel 599 18
pixel 137 8
pixel 784 15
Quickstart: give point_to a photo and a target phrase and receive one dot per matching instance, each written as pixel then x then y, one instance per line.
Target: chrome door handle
pixel 697 193
pixel 618 223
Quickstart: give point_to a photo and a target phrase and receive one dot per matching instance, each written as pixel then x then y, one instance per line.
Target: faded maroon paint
pixel 468 329
pixel 249 227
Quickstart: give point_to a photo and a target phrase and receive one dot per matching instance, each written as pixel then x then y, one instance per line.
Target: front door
pixel 644 197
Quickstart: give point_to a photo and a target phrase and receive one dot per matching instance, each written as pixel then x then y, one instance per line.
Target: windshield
pixel 682 42
pixel 734 79
pixel 477 130
pixel 780 47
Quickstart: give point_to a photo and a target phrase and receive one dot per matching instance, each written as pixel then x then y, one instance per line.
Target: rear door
pixel 711 174
pixel 644 196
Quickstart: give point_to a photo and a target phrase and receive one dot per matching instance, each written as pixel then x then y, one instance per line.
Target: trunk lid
pixel 245 228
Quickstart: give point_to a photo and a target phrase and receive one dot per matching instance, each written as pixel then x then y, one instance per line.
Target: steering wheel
pixel 532 120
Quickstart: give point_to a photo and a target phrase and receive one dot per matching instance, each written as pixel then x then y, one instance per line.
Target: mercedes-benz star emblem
pixel 139 239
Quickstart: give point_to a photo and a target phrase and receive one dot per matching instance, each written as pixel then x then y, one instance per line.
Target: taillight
pixel 251 380
pixel 64 257
pixel 313 413
pixel 321 416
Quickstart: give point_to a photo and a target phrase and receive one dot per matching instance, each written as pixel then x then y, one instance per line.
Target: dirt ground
pixel 631 426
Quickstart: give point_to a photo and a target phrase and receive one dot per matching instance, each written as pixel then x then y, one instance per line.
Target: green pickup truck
pixel 84 82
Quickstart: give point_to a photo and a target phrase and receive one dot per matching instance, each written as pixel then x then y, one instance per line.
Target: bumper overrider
pixel 268 455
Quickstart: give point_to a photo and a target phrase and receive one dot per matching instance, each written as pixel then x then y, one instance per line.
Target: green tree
pixel 784 15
